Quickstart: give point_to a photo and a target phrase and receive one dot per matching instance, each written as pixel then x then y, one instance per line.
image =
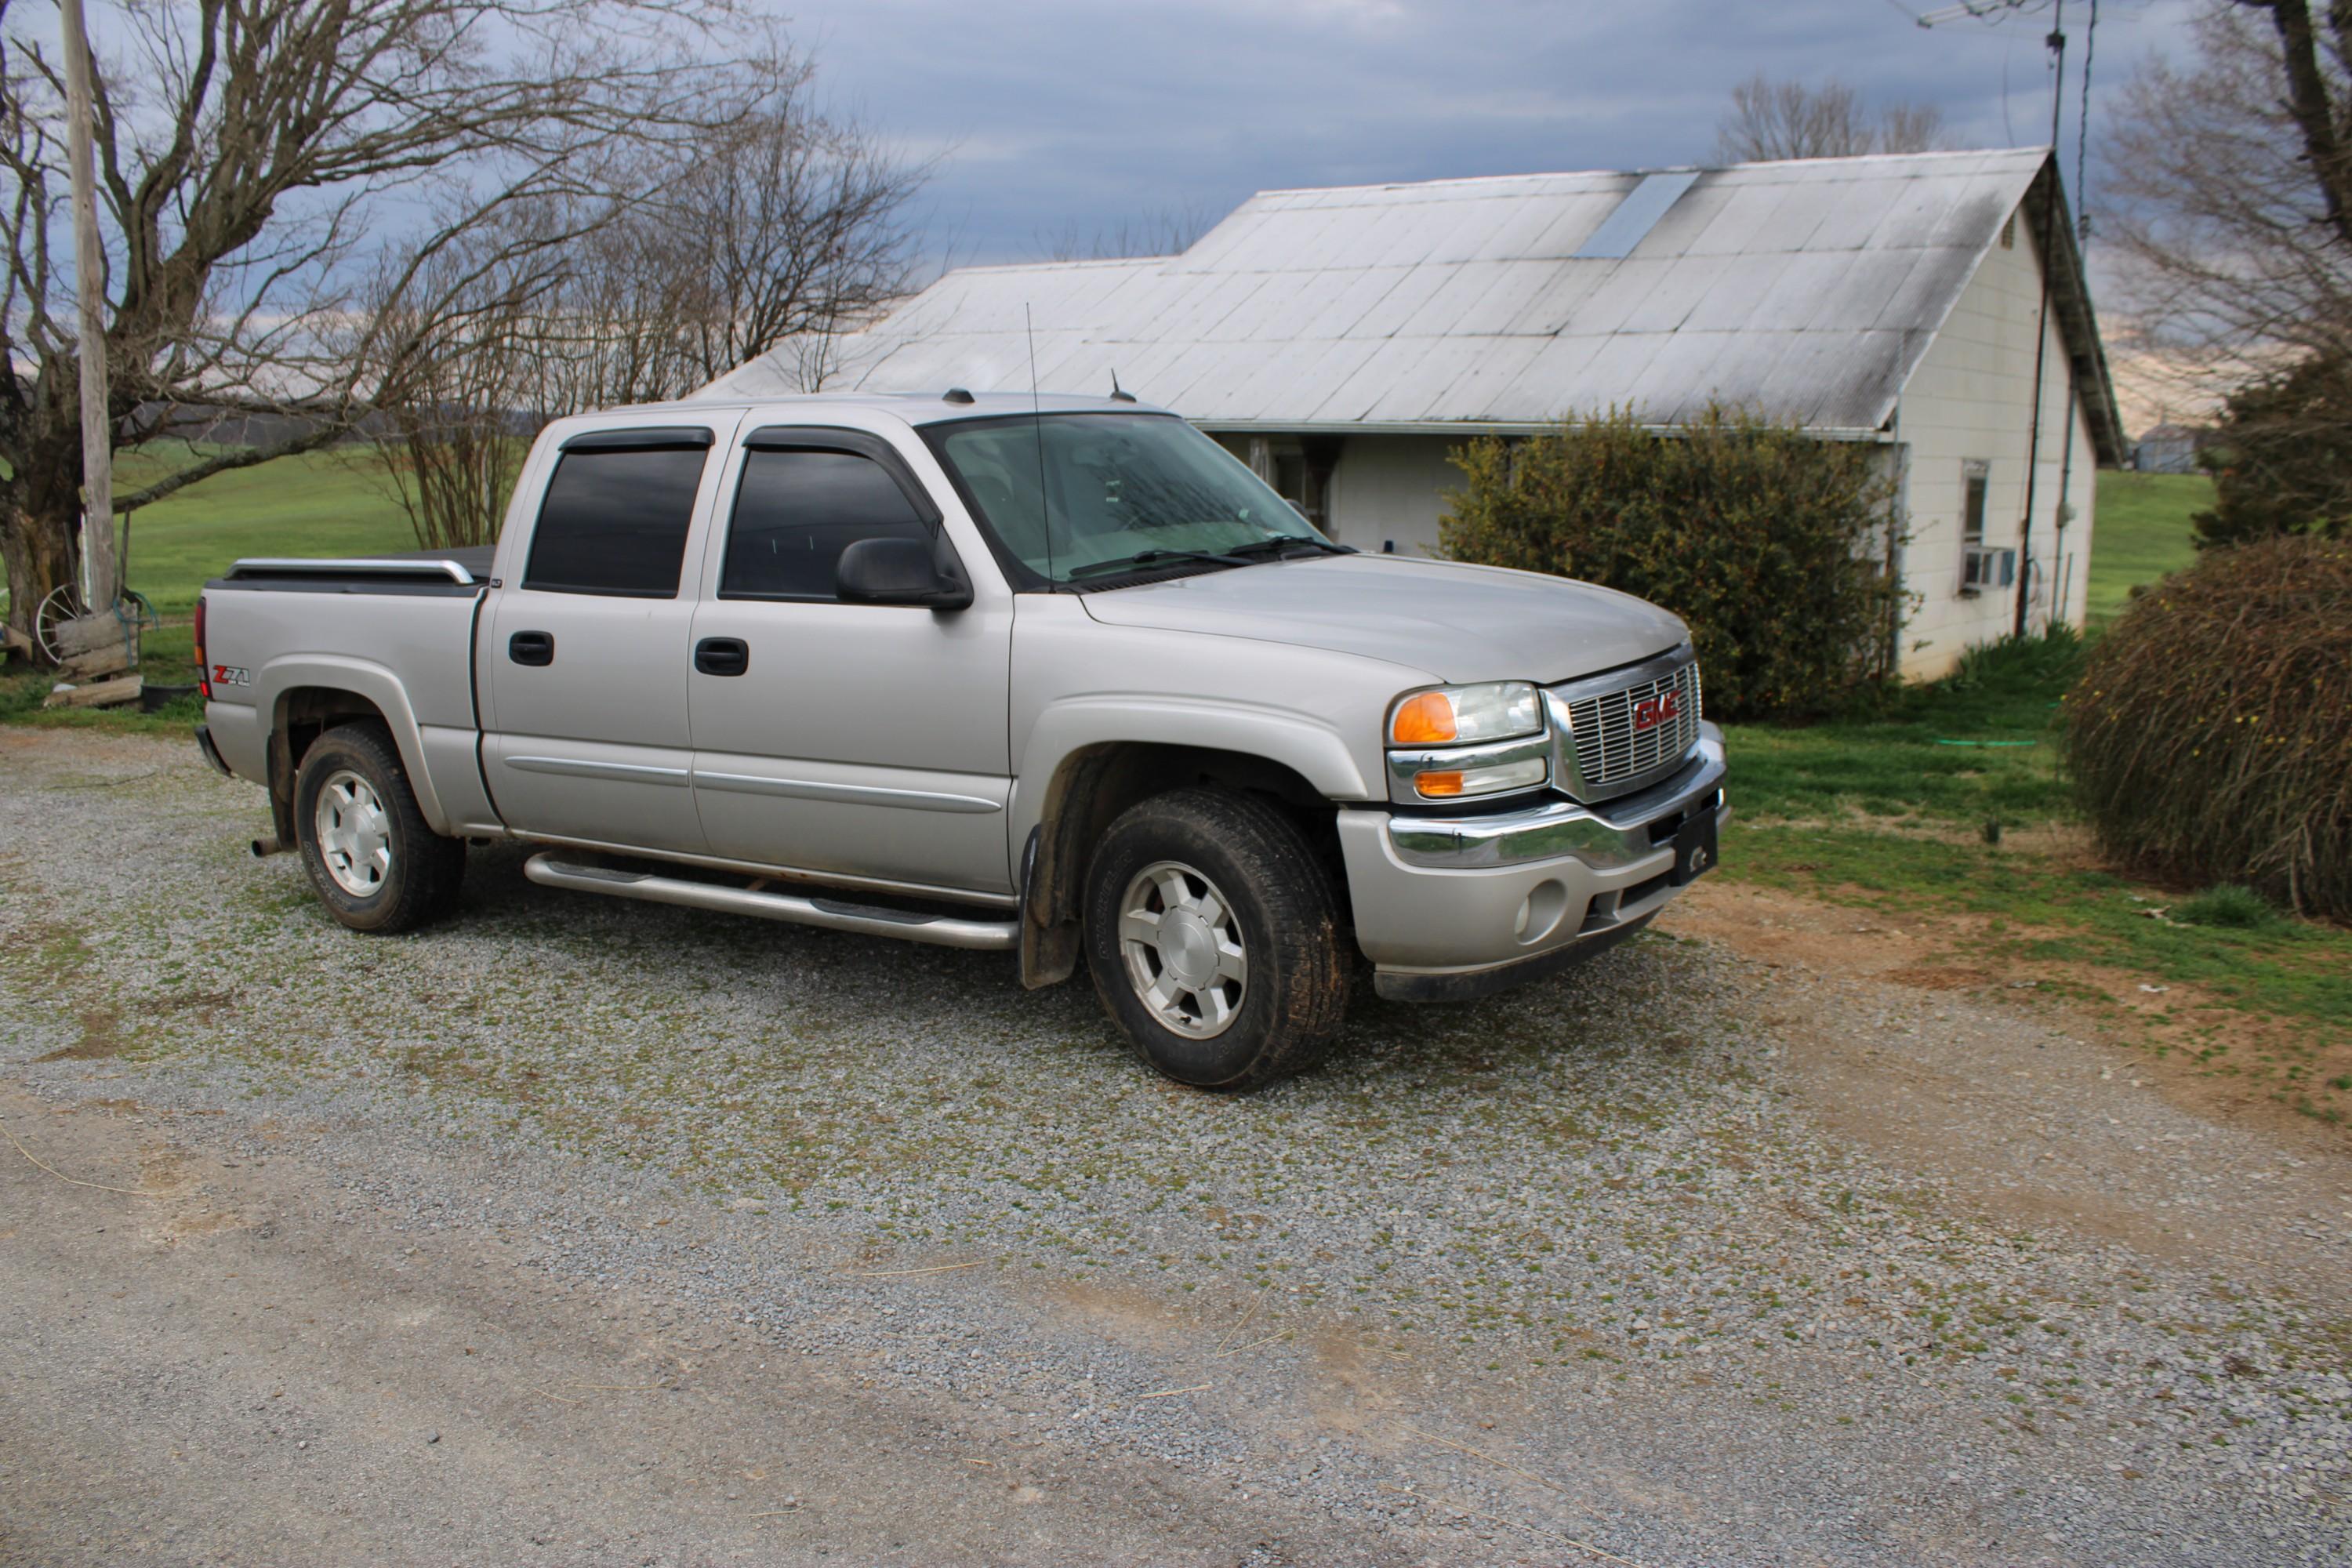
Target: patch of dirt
pixel 2044 1113
pixel 1939 977
pixel 101 1037
pixel 2172 1027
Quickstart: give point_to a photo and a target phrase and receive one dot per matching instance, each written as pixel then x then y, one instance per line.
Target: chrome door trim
pixel 584 768
pixel 851 794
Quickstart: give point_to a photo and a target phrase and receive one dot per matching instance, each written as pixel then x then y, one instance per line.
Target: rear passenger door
pixel 584 656
pixel 860 740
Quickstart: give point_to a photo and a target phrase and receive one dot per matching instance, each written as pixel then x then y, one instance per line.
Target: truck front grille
pixel 1623 737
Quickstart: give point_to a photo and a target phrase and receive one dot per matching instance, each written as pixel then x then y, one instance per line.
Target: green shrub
pixel 2209 737
pixel 2238 909
pixel 2280 456
pixel 1769 541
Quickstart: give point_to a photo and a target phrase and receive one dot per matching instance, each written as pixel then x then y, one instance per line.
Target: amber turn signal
pixel 1425 719
pixel 1439 784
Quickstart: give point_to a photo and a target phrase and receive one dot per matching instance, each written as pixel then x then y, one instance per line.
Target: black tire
pixel 425 870
pixel 1287 1008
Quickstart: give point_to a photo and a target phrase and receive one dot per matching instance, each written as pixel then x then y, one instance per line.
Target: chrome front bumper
pixel 1605 836
pixel 1454 906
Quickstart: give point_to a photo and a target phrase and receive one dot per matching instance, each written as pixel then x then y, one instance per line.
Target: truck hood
pixel 1460 623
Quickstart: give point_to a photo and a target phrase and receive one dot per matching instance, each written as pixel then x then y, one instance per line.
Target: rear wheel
pixel 1213 935
pixel 372 857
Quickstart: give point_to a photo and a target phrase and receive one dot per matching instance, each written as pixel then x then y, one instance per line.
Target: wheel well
pixel 305 714
pixel 1093 786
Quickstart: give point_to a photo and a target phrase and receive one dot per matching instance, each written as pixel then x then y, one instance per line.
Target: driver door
pixel 866 741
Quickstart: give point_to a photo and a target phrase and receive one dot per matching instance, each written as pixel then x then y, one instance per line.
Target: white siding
pixel 1970 398
pixel 1391 490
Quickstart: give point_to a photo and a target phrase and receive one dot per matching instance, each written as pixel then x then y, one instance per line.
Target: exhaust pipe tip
pixel 263 848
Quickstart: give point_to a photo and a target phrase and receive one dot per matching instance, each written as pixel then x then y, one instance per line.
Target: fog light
pixel 1540 915
pixel 1454 782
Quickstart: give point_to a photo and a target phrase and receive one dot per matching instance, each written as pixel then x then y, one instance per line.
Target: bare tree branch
pixel 1772 120
pixel 253 155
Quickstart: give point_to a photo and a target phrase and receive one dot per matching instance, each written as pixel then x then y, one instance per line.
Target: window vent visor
pixel 637 438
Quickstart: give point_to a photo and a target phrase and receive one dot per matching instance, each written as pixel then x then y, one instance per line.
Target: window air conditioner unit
pixel 1981 567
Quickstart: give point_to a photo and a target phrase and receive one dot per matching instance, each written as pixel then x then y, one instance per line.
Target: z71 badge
pixel 230 675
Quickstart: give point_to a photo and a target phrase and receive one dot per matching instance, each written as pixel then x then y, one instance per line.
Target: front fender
pixel 1309 747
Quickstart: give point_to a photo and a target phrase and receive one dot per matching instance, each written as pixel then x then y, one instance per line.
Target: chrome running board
pixel 799 909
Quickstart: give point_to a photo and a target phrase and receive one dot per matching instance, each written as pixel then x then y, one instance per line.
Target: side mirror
pixel 901 571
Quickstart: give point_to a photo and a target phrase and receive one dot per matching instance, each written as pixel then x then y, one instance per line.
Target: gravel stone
pixel 1576 1271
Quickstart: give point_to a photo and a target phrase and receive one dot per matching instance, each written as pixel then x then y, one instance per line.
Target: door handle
pixel 531 647
pixel 722 656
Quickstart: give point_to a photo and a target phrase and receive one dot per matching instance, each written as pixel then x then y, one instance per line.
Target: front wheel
pixel 374 861
pixel 1213 935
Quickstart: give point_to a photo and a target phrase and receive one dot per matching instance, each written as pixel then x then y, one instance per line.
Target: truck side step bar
pixel 836 914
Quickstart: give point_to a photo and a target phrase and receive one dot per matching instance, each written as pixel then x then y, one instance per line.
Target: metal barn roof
pixel 1806 291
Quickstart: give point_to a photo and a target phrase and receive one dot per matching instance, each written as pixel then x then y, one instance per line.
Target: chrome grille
pixel 1611 753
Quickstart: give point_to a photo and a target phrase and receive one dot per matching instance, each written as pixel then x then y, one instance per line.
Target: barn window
pixel 1976 480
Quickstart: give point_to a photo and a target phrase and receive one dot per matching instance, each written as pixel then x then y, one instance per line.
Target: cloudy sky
pixel 1052 117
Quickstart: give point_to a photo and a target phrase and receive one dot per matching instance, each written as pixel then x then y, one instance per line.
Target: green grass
pixel 320 503
pixel 1978 745
pixel 2239 909
pixel 2140 531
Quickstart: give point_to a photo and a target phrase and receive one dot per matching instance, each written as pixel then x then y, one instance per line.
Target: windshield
pixel 1144 491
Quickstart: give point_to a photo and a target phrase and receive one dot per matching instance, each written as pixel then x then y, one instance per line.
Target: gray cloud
pixel 1051 114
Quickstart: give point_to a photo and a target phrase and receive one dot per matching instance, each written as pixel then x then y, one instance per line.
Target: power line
pixel 2083 130
pixel 1988 11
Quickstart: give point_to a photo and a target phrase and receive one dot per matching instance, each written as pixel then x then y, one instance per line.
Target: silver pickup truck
pixel 1058 678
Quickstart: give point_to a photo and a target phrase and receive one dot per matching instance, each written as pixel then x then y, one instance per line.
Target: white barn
pixel 1344 341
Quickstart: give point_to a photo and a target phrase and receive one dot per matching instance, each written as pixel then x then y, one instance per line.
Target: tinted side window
pixel 615 521
pixel 796 511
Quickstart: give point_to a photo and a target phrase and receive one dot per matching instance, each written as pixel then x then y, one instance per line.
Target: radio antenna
pixel 1037 423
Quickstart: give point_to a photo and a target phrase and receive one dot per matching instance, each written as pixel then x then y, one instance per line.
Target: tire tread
pixel 428 870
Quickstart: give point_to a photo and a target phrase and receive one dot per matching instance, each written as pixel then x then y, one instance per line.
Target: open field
pixel 320 503
pixel 2140 531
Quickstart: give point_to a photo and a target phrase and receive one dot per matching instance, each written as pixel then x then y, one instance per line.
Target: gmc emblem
pixel 1649 715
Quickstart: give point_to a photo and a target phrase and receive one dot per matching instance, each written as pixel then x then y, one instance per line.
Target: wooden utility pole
pixel 90 287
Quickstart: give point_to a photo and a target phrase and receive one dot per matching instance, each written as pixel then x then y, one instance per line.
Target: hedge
pixel 1770 542
pixel 2209 737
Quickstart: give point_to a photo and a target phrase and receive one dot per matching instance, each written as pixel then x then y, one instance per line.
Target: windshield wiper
pixel 1285 540
pixel 1152 557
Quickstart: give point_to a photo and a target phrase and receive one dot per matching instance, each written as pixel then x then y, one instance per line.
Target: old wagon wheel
pixel 64 604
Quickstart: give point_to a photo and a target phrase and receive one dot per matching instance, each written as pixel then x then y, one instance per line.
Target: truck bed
pixel 397 630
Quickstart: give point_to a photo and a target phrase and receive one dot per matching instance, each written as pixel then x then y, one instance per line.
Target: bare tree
pixel 2232 207
pixel 2232 191
pixel 459 338
pixel 1159 231
pixel 787 226
pixel 1771 119
pixel 250 155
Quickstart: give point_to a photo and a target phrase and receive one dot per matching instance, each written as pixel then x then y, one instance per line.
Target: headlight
pixel 1460 742
pixel 1464 714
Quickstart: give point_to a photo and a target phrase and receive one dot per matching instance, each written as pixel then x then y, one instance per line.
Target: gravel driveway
pixel 1686 1258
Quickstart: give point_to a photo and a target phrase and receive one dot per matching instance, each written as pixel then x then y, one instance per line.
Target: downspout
pixel 2064 513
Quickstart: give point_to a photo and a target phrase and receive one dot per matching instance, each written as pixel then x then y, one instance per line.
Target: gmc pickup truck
pixel 1059 678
